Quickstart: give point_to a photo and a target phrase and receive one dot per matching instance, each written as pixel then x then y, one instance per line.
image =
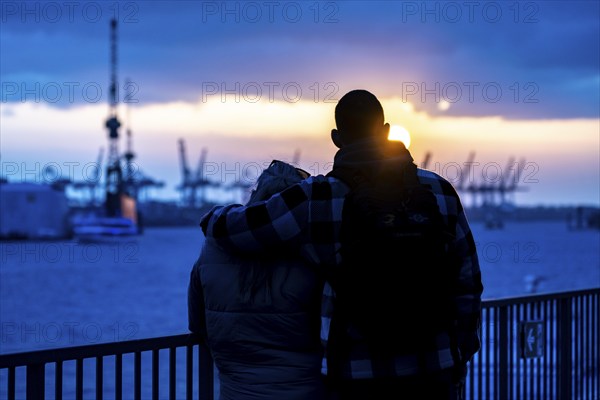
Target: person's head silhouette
pixel 359 116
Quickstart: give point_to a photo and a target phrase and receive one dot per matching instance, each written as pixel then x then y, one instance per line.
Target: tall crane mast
pixel 296 158
pixel 185 172
pixel 114 173
pixel 200 182
pixel 130 183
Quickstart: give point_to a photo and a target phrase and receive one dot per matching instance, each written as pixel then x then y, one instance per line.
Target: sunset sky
pixel 255 81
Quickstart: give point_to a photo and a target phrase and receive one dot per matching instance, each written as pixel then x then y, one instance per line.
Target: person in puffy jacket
pixel 260 316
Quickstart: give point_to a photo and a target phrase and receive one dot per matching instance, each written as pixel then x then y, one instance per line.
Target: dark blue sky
pixel 527 60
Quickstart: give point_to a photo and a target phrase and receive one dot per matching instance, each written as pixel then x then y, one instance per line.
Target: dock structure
pixel 33 211
pixel 544 346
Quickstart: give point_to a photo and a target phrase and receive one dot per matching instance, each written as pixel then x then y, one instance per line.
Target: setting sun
pixel 399 133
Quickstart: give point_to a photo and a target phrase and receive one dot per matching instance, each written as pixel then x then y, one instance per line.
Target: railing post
pixel 36 381
pixel 503 349
pixel 11 383
pixel 206 370
pixel 565 318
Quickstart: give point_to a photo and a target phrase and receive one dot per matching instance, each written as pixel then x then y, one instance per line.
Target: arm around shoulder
pixel 280 220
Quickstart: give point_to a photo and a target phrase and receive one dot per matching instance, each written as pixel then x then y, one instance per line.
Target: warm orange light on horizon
pixel 400 134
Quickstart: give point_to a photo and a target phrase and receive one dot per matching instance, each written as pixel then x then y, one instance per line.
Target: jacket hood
pixel 277 177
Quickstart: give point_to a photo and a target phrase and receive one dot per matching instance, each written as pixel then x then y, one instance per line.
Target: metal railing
pixel 172 384
pixel 533 347
pixel 539 347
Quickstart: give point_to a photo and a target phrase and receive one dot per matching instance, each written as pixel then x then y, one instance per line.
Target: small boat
pixel 100 228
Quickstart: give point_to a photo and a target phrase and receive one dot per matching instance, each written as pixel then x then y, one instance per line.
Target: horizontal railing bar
pixel 181 340
pixel 499 317
pixel 534 298
pixel 96 350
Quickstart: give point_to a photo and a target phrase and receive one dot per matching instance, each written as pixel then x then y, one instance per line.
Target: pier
pixel 543 346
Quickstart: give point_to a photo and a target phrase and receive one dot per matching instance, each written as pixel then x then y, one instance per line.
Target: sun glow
pixel 254 136
pixel 399 133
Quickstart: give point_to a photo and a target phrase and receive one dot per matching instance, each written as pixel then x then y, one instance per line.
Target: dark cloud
pixel 514 59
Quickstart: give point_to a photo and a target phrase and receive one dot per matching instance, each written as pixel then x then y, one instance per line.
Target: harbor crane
pixel 493 194
pixel 114 172
pixel 200 182
pixel 508 188
pixel 466 182
pixel 129 156
pixel 426 160
pixel 193 185
pixel 91 182
pixel 135 180
pixel 296 158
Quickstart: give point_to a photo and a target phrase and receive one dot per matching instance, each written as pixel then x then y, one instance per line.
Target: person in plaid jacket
pixel 307 218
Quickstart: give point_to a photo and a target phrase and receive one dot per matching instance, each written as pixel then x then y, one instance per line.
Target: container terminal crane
pixel 119 215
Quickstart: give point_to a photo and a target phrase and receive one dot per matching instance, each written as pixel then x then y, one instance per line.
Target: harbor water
pixel 62 293
pixel 65 293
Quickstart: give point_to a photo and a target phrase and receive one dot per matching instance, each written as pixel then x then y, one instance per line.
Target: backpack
pixel 392 284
